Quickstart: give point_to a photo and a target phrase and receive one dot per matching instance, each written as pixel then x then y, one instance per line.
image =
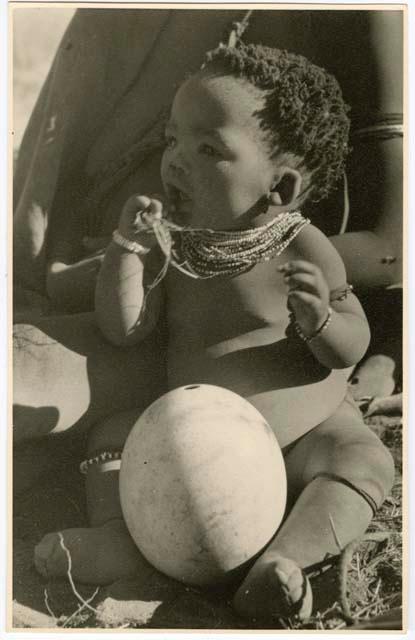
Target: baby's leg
pixel 105 551
pixel 337 474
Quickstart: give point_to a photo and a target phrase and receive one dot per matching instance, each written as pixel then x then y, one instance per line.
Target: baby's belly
pixel 282 380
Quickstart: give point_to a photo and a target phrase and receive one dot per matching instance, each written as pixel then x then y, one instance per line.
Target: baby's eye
pixel 208 150
pixel 170 141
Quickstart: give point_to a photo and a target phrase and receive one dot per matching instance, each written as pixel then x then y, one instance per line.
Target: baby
pixel 260 306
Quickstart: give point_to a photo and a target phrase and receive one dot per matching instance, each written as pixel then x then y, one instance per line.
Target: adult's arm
pixel 372 249
pixel 47 177
pixel 98 59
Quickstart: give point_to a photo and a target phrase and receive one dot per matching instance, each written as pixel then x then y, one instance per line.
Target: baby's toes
pixel 296 588
pixel 276 587
pixel 49 557
pixel 291 579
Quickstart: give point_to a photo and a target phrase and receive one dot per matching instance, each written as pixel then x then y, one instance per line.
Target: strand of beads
pixel 208 253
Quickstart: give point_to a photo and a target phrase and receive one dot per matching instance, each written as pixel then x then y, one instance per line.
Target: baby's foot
pixel 99 555
pixel 274 588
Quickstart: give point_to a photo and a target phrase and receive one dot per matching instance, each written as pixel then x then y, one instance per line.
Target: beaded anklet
pixel 104 457
pixel 317 333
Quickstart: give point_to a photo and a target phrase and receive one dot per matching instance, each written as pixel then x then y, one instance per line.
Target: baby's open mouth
pixel 176 195
pixel 179 203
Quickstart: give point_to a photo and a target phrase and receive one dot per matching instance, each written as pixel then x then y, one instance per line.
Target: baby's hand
pixel 136 219
pixel 308 294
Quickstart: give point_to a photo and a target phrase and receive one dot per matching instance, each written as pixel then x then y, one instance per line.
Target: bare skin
pixel 104 552
pixel 231 332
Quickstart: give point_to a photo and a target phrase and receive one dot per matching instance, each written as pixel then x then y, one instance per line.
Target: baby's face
pixel 216 168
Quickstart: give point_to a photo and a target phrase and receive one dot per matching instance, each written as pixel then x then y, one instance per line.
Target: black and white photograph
pixel 207 340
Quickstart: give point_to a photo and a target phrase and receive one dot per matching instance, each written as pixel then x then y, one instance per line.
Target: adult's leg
pixel 67 375
pixel 337 474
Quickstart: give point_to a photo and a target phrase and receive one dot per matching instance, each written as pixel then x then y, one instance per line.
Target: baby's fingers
pixel 309 310
pixel 298 266
pixel 303 298
pixel 153 211
pixel 302 282
pixel 136 204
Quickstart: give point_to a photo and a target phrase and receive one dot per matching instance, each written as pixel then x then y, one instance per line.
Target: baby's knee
pixel 112 432
pixel 358 456
pixel 368 463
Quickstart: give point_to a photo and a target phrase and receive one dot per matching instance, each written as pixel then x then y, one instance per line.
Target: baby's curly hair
pixel 304 111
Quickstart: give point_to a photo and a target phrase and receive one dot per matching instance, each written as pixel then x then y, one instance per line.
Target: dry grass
pixel 368 576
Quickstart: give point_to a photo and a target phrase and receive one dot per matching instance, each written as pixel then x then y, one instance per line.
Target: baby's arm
pixel 120 292
pixel 315 271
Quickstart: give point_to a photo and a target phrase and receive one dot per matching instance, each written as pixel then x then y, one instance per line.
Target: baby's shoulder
pixel 314 246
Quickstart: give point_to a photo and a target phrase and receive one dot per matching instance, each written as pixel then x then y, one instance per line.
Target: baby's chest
pixel 243 303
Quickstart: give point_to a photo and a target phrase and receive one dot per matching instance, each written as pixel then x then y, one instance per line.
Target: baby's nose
pixel 179 165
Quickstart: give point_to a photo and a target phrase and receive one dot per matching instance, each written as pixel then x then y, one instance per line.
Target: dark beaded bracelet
pixel 317 333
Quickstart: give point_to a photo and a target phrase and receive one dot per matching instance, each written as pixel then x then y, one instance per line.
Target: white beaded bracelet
pixel 130 245
pixel 101 458
pixel 319 331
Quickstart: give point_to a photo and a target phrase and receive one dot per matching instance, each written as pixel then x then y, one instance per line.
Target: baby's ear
pixel 286 187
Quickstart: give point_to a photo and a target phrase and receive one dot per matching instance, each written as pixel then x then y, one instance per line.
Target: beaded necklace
pixel 206 253
pixel 199 253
